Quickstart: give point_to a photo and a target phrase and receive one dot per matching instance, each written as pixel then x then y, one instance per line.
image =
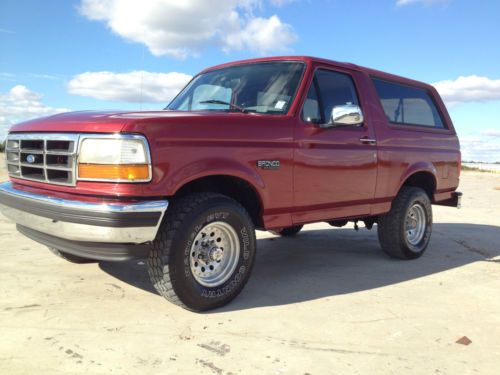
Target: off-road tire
pixel 289 231
pixel 391 226
pixel 169 262
pixel 70 257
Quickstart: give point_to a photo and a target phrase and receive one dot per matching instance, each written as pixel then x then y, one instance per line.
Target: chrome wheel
pixel 415 224
pixel 214 254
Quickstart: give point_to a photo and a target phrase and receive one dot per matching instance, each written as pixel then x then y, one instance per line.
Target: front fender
pixel 211 167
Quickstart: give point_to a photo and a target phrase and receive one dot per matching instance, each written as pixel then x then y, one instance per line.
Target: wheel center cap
pixel 216 254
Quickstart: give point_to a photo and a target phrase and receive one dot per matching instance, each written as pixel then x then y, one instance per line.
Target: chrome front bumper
pixel 73 220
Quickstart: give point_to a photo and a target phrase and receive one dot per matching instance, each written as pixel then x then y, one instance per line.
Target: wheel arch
pixel 233 185
pixel 422 176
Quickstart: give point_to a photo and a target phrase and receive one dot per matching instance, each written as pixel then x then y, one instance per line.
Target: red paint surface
pixel 325 173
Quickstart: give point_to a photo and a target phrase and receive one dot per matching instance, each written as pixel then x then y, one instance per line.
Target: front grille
pixel 43 157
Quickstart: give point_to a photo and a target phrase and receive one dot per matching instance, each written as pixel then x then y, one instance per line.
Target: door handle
pixel 368 141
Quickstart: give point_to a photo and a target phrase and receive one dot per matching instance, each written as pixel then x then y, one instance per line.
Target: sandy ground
pixel 328 301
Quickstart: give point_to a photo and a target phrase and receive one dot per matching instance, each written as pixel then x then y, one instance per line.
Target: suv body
pixel 272 143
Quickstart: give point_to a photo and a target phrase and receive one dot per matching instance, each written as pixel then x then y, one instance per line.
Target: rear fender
pixel 422 166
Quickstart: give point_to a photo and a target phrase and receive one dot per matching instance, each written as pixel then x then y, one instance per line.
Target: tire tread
pixel 389 225
pixel 159 255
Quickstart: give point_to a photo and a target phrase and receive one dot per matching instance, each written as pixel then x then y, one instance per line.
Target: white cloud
pixel 482 145
pixel 127 87
pixel 21 104
pixel 480 148
pixel 491 133
pixel 280 3
pixel 183 28
pixel 425 2
pixel 43 76
pixel 7 76
pixel 261 35
pixel 469 89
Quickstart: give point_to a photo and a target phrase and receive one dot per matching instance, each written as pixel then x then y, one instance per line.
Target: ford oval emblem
pixel 30 159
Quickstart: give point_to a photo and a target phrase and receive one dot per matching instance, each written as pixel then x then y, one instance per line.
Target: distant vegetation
pixel 467 168
pixel 479 162
pixel 2 146
pixel 477 169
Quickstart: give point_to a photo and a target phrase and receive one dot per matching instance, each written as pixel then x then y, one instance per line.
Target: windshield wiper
pixel 215 101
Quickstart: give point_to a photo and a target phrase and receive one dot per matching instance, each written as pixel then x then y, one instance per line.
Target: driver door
pixel 334 167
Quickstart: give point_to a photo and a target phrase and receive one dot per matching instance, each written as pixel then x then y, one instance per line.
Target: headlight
pixel 122 158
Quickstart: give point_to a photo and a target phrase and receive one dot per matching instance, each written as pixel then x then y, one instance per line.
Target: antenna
pixel 142 76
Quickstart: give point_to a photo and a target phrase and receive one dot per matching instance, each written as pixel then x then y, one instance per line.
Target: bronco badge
pixel 268 164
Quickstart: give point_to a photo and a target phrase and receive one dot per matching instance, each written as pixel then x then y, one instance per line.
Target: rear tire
pixel 204 252
pixel 404 232
pixel 289 231
pixel 70 257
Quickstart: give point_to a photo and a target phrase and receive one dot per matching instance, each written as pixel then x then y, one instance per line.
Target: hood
pixel 111 121
pixel 84 121
pixel 124 121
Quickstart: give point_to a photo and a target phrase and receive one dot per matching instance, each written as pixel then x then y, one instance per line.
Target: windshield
pixel 258 87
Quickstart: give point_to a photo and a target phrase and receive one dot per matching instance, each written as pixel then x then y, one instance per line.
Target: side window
pixel 331 89
pixel 407 105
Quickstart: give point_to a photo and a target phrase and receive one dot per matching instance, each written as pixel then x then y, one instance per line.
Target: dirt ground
pixel 326 302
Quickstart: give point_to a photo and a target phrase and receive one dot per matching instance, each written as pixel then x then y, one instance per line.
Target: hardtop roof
pixel 333 63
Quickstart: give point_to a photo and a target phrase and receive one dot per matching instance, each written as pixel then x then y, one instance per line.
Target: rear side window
pixel 408 105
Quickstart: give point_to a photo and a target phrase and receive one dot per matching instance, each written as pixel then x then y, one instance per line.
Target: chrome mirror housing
pixel 346 115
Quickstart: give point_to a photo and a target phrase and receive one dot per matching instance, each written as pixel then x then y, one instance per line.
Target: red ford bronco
pixel 268 144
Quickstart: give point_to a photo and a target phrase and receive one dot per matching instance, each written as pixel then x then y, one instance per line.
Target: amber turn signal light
pixel 127 172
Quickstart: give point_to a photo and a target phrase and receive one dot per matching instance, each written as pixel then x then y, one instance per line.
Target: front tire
pixel 405 231
pixel 204 252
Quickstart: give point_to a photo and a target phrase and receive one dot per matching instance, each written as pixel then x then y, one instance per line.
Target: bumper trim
pixel 89 250
pixel 454 201
pixel 64 210
pixel 74 220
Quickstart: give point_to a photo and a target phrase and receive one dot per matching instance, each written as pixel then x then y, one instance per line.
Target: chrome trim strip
pixel 80 232
pixel 35 136
pixel 158 205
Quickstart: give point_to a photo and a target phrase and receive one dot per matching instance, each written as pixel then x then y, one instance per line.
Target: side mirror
pixel 345 115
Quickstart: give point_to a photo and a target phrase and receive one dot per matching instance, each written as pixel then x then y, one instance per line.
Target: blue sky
pixel 91 54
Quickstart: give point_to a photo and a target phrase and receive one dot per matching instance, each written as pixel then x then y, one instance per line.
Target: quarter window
pixel 310 111
pixel 407 105
pixel 328 89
